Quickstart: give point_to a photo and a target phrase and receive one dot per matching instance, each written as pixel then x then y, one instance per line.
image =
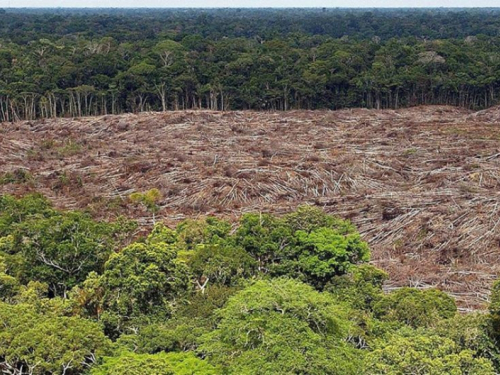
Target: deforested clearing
pixel 421 184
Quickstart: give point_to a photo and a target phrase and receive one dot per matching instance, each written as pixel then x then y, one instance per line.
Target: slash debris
pixel 421 184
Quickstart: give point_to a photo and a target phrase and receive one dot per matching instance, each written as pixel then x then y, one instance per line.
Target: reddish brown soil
pixel 421 184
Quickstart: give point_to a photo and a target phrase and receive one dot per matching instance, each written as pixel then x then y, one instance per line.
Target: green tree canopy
pixel 282 326
pixel 42 344
pixel 143 279
pixel 411 352
pixel 61 249
pixel 416 308
pixel 158 364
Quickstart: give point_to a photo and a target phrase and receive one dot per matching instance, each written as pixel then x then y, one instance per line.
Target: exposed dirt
pixel 421 184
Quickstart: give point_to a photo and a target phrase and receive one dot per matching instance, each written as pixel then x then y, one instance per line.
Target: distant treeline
pixel 79 63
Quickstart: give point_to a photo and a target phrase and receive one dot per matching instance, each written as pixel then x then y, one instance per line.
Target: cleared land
pixel 421 184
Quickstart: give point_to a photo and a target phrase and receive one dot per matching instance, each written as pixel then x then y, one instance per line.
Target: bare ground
pixel 421 184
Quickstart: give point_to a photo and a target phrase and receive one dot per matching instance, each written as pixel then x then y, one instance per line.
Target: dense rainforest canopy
pixel 67 62
pixel 293 294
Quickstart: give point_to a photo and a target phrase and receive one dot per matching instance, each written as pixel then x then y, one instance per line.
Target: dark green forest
pixel 68 62
pixel 293 294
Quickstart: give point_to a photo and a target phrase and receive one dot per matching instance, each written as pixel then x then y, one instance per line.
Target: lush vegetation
pixel 79 63
pixel 269 295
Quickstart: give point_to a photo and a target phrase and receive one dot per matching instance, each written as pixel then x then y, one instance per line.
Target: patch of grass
pixel 48 144
pixel 18 176
pixel 69 149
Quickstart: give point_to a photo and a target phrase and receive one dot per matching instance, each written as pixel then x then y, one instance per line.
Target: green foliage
pixel 181 334
pixel 361 288
pixel 309 218
pixel 244 59
pixel 13 210
pixel 262 235
pixel 307 244
pixel 192 233
pixel 149 199
pixel 46 343
pixel 192 318
pixel 276 295
pixel 221 264
pixel 18 176
pixel 62 249
pixel 88 297
pixel 158 364
pixel 281 326
pixel 203 304
pixel 160 233
pixel 494 310
pixel 9 286
pixel 416 308
pixel 322 254
pixel 471 332
pixel 56 248
pixel 412 352
pixel 142 279
pixel 36 295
